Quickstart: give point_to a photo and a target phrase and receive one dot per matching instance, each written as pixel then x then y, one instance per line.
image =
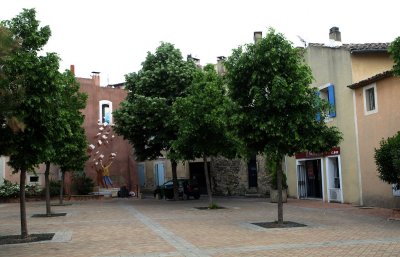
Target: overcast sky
pixel 113 37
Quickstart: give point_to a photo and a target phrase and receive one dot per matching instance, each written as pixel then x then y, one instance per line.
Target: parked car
pixel 186 188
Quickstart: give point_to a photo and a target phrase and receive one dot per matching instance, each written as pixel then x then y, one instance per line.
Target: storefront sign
pixel 309 155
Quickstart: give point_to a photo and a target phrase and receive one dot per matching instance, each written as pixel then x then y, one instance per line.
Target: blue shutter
pixel 318 116
pixel 331 98
pixel 141 174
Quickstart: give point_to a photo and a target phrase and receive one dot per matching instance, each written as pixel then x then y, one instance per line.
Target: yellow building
pixel 347 174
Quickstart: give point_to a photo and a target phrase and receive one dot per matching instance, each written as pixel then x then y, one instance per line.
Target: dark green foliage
pixel 82 184
pixel 144 117
pixel 202 119
pixel 270 82
pixel 394 50
pixel 54 187
pixel 387 159
pixel 40 114
pixel 271 165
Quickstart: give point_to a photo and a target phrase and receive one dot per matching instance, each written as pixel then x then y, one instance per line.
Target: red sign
pixel 309 155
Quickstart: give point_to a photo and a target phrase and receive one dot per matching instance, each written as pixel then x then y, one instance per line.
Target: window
pixel 33 179
pixel 327 92
pixel 105 111
pixel 370 99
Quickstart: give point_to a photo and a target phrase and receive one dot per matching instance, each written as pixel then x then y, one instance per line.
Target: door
pixel 196 170
pixel 313 178
pixel 252 170
pixel 141 174
pixel 301 180
pixel 334 179
pixel 159 173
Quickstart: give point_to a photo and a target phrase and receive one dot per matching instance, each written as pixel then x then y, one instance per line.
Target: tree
pixel 10 93
pixel 202 119
pixel 38 77
pixel 277 108
pixel 71 144
pixel 387 159
pixel 144 117
pixel 394 50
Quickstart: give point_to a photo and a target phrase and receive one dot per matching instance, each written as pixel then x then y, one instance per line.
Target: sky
pixel 113 37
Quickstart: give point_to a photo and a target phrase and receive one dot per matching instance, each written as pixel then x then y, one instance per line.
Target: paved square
pixel 150 227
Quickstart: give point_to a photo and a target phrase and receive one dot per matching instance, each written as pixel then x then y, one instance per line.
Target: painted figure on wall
pixel 106 171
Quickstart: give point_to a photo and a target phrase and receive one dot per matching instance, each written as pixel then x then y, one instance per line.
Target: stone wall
pixel 230 177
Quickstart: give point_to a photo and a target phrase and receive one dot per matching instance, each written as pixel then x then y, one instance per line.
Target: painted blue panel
pixel 160 173
pixel 318 116
pixel 141 174
pixel 331 98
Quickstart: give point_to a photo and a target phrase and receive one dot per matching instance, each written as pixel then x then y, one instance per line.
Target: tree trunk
pixel 175 180
pixel 278 163
pixel 22 204
pixel 47 186
pixel 62 187
pixel 208 184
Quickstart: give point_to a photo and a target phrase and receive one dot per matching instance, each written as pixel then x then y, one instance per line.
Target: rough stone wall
pixel 230 177
pixel 225 176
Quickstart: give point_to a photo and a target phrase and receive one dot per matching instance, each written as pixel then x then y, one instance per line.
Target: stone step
pixel 255 195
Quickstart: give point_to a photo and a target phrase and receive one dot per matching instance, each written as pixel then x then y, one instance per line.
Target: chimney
pixel 72 69
pixel 193 59
pixel 220 65
pixel 96 78
pixel 257 36
pixel 334 34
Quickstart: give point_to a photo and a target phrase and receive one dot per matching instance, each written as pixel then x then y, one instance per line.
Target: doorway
pixel 159 173
pixel 141 174
pixel 196 170
pixel 252 171
pixel 313 178
pixel 309 179
pixel 334 179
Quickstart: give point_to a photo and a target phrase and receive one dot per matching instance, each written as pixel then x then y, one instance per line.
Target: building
pixel 339 175
pixel 100 104
pixel 377 118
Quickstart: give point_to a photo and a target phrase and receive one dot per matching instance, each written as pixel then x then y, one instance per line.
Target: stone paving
pixel 150 227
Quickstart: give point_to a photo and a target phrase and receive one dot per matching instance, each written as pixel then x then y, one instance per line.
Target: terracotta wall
pixel 371 129
pixel 123 169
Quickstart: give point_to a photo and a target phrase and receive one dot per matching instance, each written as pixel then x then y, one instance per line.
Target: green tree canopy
pixel 10 93
pixel 202 118
pixel 144 117
pixel 394 50
pixel 39 109
pixel 270 82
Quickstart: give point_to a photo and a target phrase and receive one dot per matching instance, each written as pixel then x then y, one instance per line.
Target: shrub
pixel 32 190
pixel 213 206
pixel 11 190
pixel 387 159
pixel 54 187
pixel 82 185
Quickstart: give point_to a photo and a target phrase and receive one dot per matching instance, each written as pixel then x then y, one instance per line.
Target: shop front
pixel 319 176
